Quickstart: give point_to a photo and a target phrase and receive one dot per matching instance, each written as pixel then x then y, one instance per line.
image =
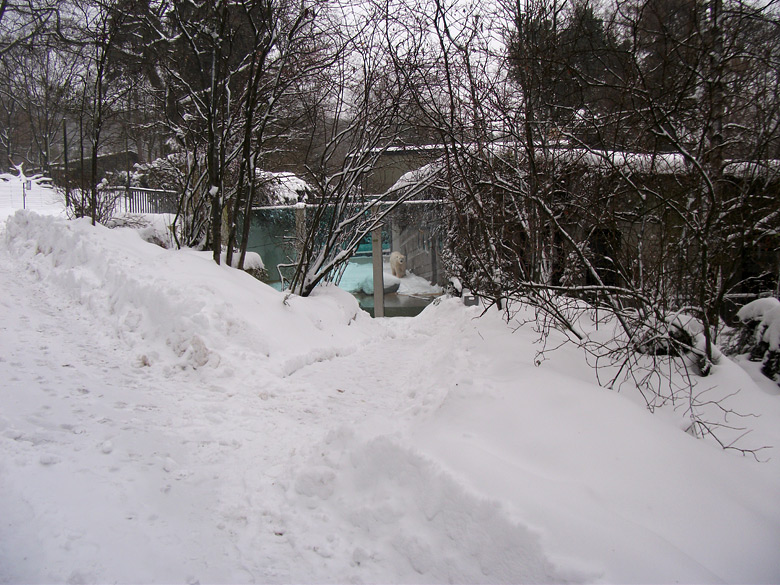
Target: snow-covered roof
pixel 414 184
pixel 413 148
pixel 414 176
pixel 284 188
pixel 609 160
pixel 660 163
pixel 753 169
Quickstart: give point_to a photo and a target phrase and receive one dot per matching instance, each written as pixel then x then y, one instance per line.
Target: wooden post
pixel 379 279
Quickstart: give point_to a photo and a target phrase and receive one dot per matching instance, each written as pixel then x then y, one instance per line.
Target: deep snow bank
pixel 402 510
pixel 178 309
pixel 614 491
pixel 267 438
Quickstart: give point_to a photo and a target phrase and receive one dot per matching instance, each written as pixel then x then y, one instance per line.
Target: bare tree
pixel 592 183
pixel 39 84
pixel 22 22
pixel 93 35
pixel 37 72
pixel 361 112
pixel 229 76
pixel 618 160
pixel 286 58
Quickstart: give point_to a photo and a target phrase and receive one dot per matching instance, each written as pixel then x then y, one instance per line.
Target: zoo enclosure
pixel 415 229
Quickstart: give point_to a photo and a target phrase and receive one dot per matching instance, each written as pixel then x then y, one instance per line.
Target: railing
pixel 139 200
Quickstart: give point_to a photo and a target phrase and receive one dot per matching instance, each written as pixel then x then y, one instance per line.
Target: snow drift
pixel 197 313
pixel 169 420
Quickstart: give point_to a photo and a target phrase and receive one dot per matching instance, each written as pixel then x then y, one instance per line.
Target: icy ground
pixel 166 420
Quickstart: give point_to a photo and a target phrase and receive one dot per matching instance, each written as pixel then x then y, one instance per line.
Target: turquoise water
pixel 269 236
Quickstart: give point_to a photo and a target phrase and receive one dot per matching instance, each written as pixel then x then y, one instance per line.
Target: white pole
pixel 379 279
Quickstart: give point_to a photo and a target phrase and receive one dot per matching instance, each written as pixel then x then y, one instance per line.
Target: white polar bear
pixel 398 264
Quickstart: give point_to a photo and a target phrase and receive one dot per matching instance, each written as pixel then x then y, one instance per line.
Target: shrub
pixel 758 335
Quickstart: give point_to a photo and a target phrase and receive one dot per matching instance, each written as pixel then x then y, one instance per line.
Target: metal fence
pixel 139 200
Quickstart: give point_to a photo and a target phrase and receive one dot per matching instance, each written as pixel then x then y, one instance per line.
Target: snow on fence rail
pixel 139 200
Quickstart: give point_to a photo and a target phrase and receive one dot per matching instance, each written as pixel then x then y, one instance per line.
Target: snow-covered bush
pixel 153 228
pixel 253 264
pixel 758 334
pixel 106 203
pixel 122 179
pixel 168 173
pixel 675 335
pixel 666 336
pixel 282 188
pixel 574 269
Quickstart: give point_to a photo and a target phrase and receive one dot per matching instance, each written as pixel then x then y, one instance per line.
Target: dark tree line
pixel 617 162
pixel 628 156
pixel 690 89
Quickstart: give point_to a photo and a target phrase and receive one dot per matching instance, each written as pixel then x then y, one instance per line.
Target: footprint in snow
pixel 49 459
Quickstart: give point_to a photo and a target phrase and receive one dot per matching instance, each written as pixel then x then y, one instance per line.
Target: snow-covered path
pixel 169 474
pixel 163 419
pixel 101 452
pixel 102 466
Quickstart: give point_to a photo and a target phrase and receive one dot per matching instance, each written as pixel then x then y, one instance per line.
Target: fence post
pixel 379 278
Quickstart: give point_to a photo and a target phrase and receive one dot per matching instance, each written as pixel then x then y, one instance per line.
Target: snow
pixel 604 160
pixel 252 260
pixel 358 277
pixel 772 332
pixel 756 310
pixel 415 176
pixel 14 194
pixel 168 420
pixel 285 188
pixel 766 312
